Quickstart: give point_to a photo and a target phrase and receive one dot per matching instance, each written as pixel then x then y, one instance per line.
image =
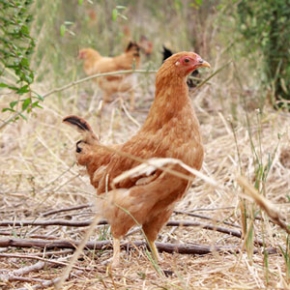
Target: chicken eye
pixel 186 60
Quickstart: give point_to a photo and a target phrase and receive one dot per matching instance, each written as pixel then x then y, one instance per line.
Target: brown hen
pixel 171 130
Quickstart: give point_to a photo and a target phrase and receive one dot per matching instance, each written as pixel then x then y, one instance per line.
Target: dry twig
pixel 51 212
pixel 33 257
pixel 184 223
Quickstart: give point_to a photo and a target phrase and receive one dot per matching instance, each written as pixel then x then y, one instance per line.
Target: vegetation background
pixel 243 110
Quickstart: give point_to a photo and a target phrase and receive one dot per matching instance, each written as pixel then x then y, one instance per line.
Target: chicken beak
pixel 204 63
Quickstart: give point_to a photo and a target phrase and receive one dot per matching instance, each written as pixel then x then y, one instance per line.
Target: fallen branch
pixel 101 245
pixel 88 205
pixel 184 223
pixel 43 284
pixel 49 253
pixel 175 211
pixel 16 275
pixel 45 223
pixel 27 269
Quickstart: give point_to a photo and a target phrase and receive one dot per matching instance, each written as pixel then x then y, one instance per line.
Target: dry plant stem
pixel 130 116
pixel 77 253
pixel 147 165
pixel 36 258
pixel 268 207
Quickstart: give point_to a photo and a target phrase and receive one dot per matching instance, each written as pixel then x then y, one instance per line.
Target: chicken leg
pixel 154 250
pixel 151 229
pixel 116 252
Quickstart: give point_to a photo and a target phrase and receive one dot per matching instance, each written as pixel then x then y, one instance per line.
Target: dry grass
pixel 38 174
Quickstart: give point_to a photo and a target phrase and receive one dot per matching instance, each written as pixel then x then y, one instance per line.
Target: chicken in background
pixel 192 83
pixel 95 63
pixel 171 130
pixel 92 17
pixel 146 46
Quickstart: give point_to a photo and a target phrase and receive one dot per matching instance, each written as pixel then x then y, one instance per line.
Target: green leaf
pixel 2 85
pixel 13 104
pixel 23 90
pixel 24 61
pixel 198 2
pixel 81 2
pixel 24 29
pixel 62 30
pixel 26 103
pixel 114 14
pixel 36 105
pixel 27 78
pixel 8 109
pixel 13 88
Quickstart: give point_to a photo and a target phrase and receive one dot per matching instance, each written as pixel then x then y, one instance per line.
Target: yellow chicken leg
pixel 116 252
pixel 154 250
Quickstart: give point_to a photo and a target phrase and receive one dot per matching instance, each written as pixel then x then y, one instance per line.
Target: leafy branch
pixel 16 47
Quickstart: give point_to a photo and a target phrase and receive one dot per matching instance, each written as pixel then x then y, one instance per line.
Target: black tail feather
pixel 80 123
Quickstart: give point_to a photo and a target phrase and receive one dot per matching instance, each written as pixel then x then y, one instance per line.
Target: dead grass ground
pixel 38 174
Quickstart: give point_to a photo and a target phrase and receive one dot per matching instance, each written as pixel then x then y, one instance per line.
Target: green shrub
pixel 16 47
pixel 265 26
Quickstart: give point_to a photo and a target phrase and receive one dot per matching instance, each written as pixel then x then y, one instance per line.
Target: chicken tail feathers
pixel 82 126
pixel 79 123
